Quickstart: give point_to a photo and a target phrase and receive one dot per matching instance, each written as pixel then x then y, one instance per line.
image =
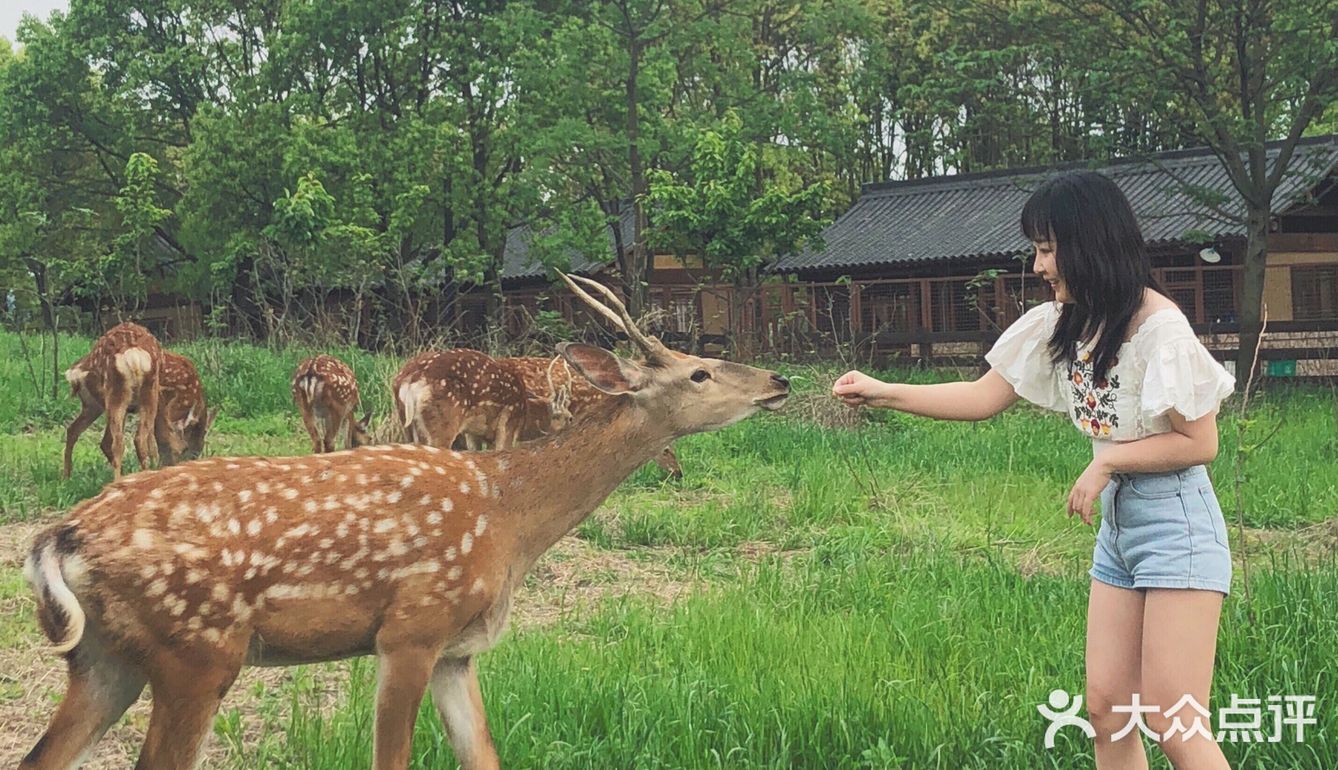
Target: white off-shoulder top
pixel 1163 367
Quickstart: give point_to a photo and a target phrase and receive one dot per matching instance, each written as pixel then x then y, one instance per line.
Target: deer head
pixel 683 393
pixel 185 437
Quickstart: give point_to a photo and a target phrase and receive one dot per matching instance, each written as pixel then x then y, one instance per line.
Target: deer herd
pixel 179 577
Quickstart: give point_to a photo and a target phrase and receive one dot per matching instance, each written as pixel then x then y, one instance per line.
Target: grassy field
pixel 818 592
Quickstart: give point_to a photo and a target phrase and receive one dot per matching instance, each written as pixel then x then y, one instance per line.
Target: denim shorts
pixel 1162 530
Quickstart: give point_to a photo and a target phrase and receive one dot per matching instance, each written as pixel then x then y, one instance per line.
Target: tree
pixel 736 207
pixel 1245 71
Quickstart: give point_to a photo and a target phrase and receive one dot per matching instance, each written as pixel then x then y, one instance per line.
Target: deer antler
pixel 622 319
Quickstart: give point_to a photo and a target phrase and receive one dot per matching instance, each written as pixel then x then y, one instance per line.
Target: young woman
pixel 1121 359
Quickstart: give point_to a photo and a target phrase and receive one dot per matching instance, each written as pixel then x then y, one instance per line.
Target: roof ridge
pixel 951 181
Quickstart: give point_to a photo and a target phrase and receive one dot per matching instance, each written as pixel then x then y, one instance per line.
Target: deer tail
pixel 62 618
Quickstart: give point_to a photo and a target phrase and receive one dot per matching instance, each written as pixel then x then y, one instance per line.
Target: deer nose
pixel 781 380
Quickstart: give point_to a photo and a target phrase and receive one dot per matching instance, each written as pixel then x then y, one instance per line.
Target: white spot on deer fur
pixel 253 527
pixel 477 588
pixel 156 588
pixel 262 488
pixel 480 525
pixel 434 518
pixel 234 526
pixel 450 553
pixel 142 538
pixel 244 496
pixel 271 515
pixel 447 505
pixel 220 593
pixel 232 466
pixel 362 479
pixel 194 624
pixel 148 572
pixel 207 512
pixel 406 482
pixel 393 497
pixel 466 543
pixel 194 576
pixel 309 506
pixel 289 493
pixel 212 635
pixel 464 487
pixel 176 605
pixel 384 525
pixel 217 486
pixel 455 572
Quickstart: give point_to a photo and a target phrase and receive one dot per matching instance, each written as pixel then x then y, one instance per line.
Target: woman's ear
pixel 607 372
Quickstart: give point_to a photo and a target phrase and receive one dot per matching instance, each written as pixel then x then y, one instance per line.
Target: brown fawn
pixel 181 577
pixel 183 415
pixel 577 394
pixel 326 394
pixel 119 375
pixel 440 395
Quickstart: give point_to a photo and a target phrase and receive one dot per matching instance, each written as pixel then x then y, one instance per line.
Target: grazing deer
pixel 411 553
pixel 183 416
pixel 119 374
pixel 440 395
pixel 325 390
pixel 574 392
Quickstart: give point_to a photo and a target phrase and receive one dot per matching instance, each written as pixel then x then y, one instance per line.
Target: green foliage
pixel 737 205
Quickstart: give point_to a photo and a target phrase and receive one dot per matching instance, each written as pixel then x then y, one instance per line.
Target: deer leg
pixel 456 694
pixel 447 431
pixel 113 438
pixel 402 677
pixel 161 431
pixel 668 463
pixel 309 422
pixel 331 425
pixel 99 692
pixel 185 698
pixel 87 415
pixel 146 448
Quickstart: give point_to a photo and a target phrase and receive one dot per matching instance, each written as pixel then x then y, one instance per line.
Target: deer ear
pixel 607 372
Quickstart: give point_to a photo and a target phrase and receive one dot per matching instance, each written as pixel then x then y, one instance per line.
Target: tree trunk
pixel 38 270
pixel 1252 288
pixel 635 267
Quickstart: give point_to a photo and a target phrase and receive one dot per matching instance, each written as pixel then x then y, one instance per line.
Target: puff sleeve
pixel 1181 374
pixel 1021 356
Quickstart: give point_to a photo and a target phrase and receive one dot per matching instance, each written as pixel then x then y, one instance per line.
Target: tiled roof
pixel 975 216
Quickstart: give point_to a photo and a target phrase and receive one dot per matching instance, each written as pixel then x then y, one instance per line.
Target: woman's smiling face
pixel 1046 266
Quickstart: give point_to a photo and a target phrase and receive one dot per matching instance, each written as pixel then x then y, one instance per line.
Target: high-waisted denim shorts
pixel 1162 530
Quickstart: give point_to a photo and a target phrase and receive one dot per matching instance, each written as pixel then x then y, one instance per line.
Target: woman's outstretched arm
pixel 976 400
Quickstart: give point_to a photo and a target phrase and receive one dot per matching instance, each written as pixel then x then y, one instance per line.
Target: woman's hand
pixel 858 389
pixel 1087 490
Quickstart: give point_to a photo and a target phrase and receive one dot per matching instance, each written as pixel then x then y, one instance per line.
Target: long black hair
pixel 1101 257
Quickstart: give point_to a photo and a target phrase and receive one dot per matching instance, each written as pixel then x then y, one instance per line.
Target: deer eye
pixel 701 375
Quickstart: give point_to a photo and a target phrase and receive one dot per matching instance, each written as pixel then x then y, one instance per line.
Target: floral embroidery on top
pixel 1093 399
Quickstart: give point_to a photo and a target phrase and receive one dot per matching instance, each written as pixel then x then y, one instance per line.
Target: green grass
pixel 899 595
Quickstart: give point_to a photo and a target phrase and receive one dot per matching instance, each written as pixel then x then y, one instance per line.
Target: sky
pixel 12 10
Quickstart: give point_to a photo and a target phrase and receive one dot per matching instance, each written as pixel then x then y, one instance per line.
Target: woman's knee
pixel 1103 698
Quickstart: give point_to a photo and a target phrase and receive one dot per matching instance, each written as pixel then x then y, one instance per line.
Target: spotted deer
pixel 553 376
pixel 440 395
pixel 183 415
pixel 119 375
pixel 326 394
pixel 411 553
